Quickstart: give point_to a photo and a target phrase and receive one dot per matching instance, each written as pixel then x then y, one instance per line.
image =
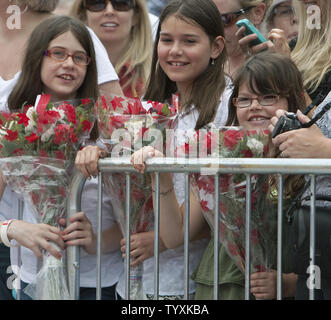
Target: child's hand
pixel 139 157
pixel 87 160
pixel 36 237
pixel 79 232
pixel 141 247
pixel 264 284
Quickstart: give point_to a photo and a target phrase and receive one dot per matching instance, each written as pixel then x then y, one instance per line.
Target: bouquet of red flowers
pixel 234 142
pixel 126 125
pixel 37 149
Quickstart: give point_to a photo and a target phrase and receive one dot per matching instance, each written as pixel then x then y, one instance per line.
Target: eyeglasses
pixel 100 5
pixel 231 18
pixel 284 11
pixel 61 54
pixel 266 100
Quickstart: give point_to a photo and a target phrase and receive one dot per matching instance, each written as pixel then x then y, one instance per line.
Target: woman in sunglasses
pixel 123 27
pixel 232 11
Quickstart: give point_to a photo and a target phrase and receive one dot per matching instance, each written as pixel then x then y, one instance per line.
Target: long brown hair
pixel 29 84
pixel 209 86
pixel 272 73
pixel 269 73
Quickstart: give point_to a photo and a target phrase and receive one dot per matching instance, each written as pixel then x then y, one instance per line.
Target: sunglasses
pixel 231 18
pixel 100 5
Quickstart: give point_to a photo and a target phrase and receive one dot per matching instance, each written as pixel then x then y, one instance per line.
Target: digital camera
pixel 285 123
pixel 290 121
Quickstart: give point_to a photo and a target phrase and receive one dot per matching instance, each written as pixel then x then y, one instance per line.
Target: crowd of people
pixel 154 50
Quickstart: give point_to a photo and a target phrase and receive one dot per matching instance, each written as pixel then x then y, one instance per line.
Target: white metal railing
pixel 247 166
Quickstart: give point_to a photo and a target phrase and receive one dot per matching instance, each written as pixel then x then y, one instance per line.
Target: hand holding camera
pixel 290 120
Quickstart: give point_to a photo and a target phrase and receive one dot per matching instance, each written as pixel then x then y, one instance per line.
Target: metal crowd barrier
pixel 247 166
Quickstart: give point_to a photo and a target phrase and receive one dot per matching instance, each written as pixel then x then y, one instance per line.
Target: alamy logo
pixel 314 17
pixel 13 281
pixel 14 20
pixel 314 279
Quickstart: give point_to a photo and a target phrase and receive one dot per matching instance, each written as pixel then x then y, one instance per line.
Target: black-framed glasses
pixel 61 54
pixel 266 100
pixel 100 5
pixel 231 18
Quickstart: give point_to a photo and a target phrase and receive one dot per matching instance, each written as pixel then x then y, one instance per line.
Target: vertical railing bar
pixel 99 237
pixel 19 217
pixel 186 236
pixel 156 239
pixel 312 232
pixel 216 237
pixel 280 238
pixel 127 234
pixel 247 236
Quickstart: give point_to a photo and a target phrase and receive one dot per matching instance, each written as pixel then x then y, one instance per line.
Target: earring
pixel 212 62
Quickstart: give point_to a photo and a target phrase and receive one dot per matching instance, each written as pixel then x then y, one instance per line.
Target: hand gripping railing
pixel 216 167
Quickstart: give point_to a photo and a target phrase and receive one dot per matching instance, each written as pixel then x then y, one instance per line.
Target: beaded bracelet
pixel 165 192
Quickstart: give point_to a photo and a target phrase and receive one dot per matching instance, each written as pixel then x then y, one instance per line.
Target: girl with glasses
pixel 12 42
pixel 61 62
pixel 266 83
pixel 123 27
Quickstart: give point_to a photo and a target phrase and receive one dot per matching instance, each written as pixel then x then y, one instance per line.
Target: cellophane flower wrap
pixel 234 142
pixel 37 150
pixel 125 126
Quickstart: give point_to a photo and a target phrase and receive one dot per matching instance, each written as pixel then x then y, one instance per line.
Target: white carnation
pixel 32 124
pixel 48 133
pixel 255 145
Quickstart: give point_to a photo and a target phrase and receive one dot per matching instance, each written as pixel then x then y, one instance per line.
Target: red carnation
pixel 204 205
pixel 32 138
pixel 70 112
pixel 231 138
pixel 11 135
pixel 23 119
pixel 61 131
pixel 87 125
pixel 86 101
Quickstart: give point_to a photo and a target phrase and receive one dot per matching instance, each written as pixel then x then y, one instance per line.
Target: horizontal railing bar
pixel 228 165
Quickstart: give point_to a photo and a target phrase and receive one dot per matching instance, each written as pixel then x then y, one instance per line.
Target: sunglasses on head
pixel 100 5
pixel 231 17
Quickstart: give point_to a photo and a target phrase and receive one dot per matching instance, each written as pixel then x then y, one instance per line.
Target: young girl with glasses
pixel 61 62
pixel 124 29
